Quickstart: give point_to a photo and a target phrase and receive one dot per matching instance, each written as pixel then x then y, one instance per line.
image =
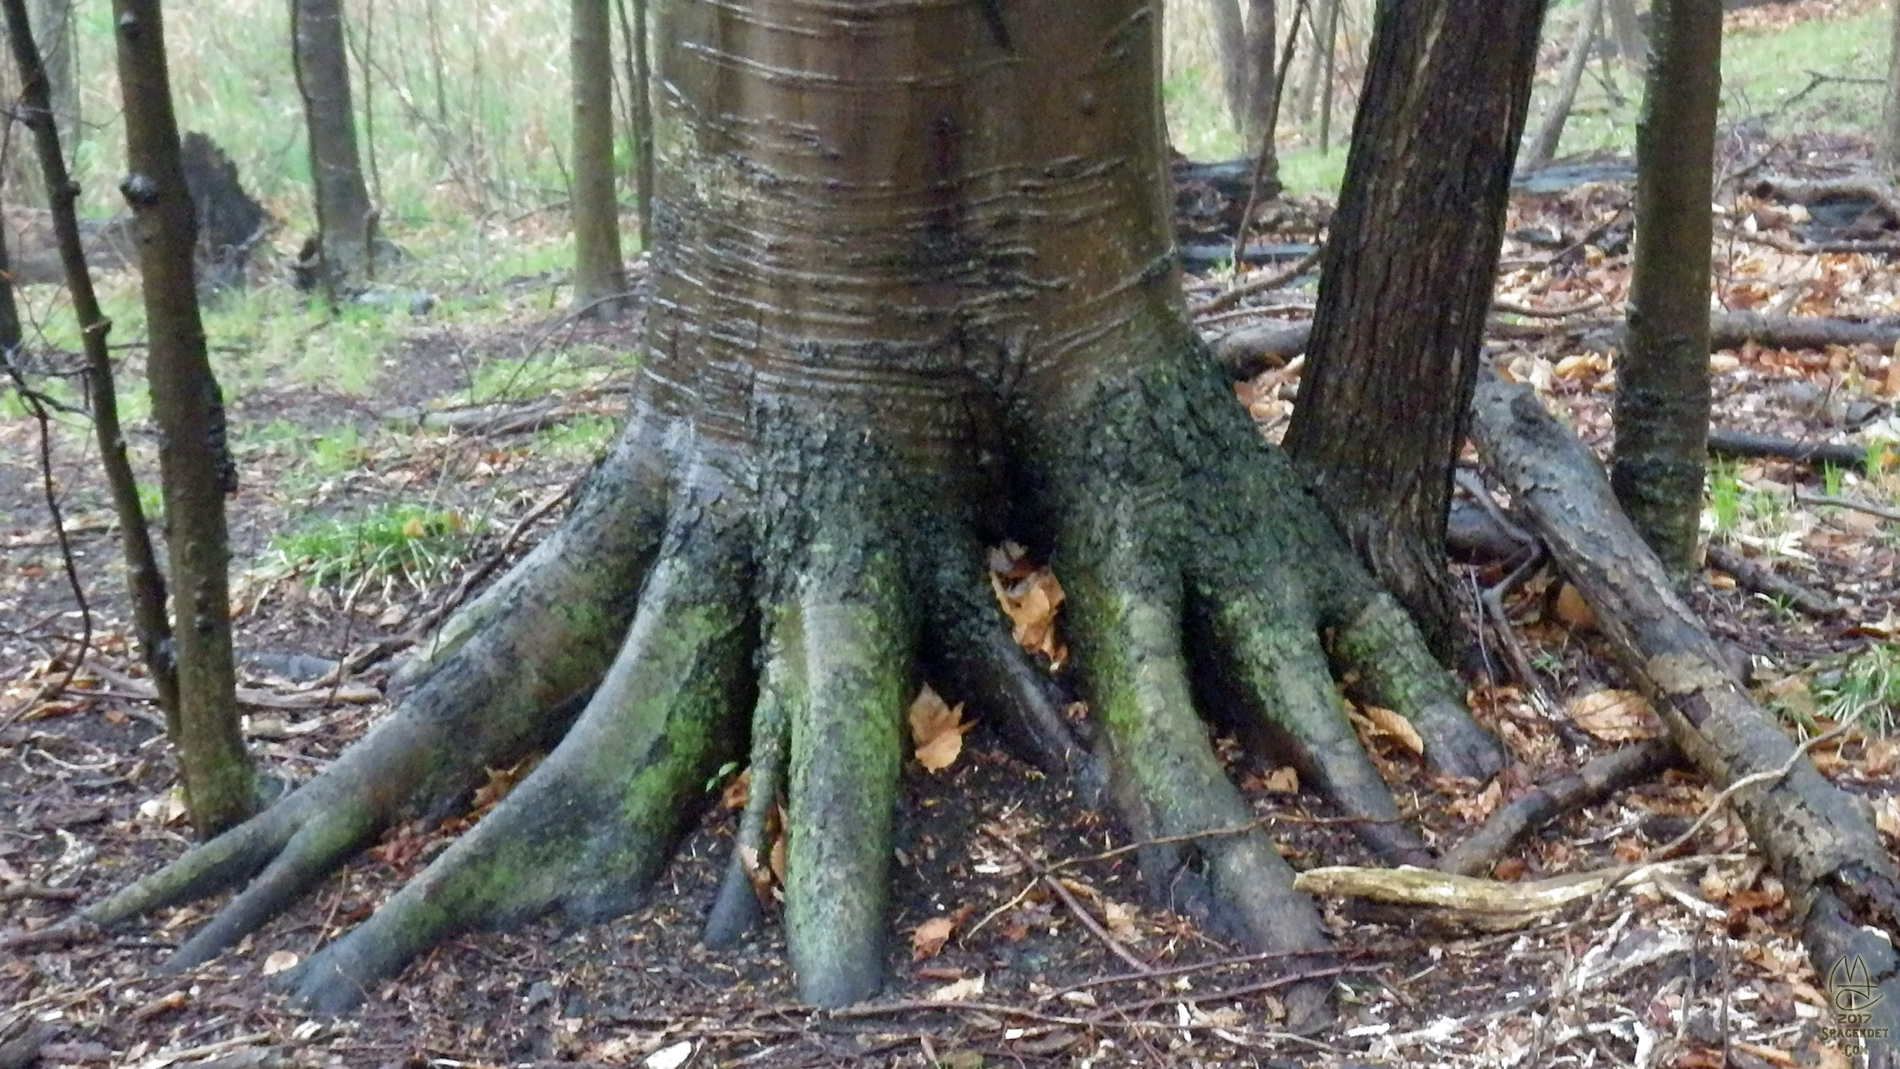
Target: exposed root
pixel 848 640
pixel 1166 780
pixel 596 820
pixel 740 904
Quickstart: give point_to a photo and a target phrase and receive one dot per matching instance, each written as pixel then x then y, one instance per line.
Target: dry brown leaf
pixel 936 727
pixel 736 790
pixel 967 988
pixel 1031 604
pixel 1386 723
pixel 930 936
pixel 279 961
pixel 1120 921
pixel 1573 610
pixel 1475 808
pixel 1282 780
pixel 1615 715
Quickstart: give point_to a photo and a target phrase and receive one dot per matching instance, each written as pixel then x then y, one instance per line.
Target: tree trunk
pixel 145 583
pixel 1551 130
pixel 195 468
pixel 1230 40
pixel 917 291
pixel 1631 42
pixel 1263 90
pixel 1662 380
pixel 598 276
pixel 1888 143
pixel 1397 330
pixel 56 32
pixel 640 114
pixel 346 223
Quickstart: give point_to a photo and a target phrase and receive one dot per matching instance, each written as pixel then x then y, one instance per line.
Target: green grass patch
pixel 401 543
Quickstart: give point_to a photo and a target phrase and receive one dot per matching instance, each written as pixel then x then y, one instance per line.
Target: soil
pixel 1701 968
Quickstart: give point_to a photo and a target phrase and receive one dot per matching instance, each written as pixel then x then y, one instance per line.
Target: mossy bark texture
pixel 913 290
pixel 1662 379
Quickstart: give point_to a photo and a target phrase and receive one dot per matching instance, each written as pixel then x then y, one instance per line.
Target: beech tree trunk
pixel 346 222
pixel 598 275
pixel 1263 104
pixel 1406 284
pixel 195 467
pixel 1230 38
pixel 1662 380
pixel 917 292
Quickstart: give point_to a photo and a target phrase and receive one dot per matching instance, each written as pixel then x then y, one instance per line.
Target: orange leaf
pixel 937 729
pixel 1614 715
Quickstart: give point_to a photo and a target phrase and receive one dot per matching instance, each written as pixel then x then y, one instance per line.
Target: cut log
pixel 1732 330
pixel 1841 882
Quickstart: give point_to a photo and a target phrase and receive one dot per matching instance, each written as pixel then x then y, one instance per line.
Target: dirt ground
pixel 1058 955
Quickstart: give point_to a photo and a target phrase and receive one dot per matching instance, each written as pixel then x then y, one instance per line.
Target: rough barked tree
pixel 195 467
pixel 598 276
pixel 1400 320
pixel 914 287
pixel 1662 380
pixel 346 241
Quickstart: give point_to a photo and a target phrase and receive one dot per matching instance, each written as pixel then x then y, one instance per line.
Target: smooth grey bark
pixel 1230 40
pixel 1662 379
pixel 195 466
pixel 347 239
pixel 1406 283
pixel 1263 88
pixel 599 277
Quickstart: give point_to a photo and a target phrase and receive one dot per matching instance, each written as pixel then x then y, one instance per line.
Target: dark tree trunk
pixel 1662 380
pixel 915 288
pixel 1406 284
pixel 346 222
pixel 144 581
pixel 598 276
pixel 195 468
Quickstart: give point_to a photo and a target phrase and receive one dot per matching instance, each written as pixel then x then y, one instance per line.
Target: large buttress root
pixel 498 693
pixel 847 641
pixel 592 825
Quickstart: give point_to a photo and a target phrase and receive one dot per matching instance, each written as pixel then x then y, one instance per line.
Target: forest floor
pixel 1022 936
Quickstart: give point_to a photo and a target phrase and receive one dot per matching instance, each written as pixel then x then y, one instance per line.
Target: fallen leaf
pixel 1388 724
pixel 966 988
pixel 670 1057
pixel 937 728
pixel 737 789
pixel 1283 780
pixel 1573 610
pixel 279 961
pixel 1614 715
pixel 930 936
pixel 1120 920
pixel 1031 604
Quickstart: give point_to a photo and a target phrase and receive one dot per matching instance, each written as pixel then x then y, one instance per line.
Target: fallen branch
pixel 1259 285
pixel 1727 443
pixel 1869 508
pixel 1841 881
pixel 1600 778
pixel 1762 580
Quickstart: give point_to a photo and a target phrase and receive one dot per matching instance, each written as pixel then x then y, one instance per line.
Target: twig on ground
pixel 15 892
pixel 1868 507
pixel 1231 297
pixel 1516 309
pixel 1762 580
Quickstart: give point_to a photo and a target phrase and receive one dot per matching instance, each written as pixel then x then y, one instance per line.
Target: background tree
pixel 639 110
pixel 1662 380
pixel 145 583
pixel 195 467
pixel 346 241
pixel 1399 323
pixel 1888 143
pixel 943 311
pixel 598 274
pixel 1263 105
